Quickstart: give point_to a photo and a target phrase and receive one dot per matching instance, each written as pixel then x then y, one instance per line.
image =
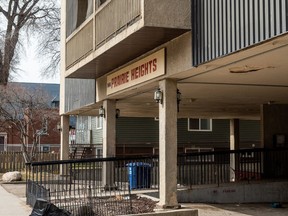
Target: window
pixel 3 142
pixel 77 11
pixel 45 148
pixel 99 122
pixel 99 3
pixel 199 124
pixel 99 152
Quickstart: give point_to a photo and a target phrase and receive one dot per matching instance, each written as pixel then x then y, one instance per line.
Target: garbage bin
pixel 43 207
pixel 139 175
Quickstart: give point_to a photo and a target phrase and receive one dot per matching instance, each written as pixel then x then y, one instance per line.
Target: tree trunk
pixel 2 73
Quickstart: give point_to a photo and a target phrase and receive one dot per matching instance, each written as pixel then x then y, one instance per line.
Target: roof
pixel 51 89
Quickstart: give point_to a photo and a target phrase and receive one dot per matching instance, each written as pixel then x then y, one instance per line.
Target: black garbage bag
pixel 44 208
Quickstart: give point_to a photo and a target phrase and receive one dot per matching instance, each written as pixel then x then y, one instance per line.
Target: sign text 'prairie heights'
pixel 138 72
pixel 135 73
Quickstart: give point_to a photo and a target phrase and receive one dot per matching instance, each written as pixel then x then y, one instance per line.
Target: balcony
pixel 119 31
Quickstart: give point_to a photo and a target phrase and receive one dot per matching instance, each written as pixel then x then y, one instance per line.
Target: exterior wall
pixel 167 13
pixel 51 140
pixel 223 27
pixel 78 93
pixel 86 131
pixel 274 123
pixel 97 135
pixel 141 134
pixel 269 192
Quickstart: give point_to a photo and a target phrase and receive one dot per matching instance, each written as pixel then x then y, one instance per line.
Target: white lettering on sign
pixel 145 69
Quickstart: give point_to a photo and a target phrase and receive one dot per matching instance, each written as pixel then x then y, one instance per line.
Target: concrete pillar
pixel 109 141
pixel 234 145
pixel 64 141
pixel 274 134
pixel 274 126
pixel 168 145
pixel 64 137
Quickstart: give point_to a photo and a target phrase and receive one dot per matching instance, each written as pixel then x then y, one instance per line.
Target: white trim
pixel 4 134
pixel 199 125
pixel 99 122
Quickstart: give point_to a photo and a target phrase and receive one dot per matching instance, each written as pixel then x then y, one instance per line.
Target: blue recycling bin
pixel 139 174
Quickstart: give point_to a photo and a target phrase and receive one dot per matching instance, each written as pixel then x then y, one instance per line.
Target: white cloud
pixel 31 66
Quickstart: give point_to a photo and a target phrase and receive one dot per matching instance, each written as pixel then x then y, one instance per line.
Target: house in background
pixel 140 136
pixel 48 141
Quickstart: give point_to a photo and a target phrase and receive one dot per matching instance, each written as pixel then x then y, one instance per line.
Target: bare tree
pixel 29 16
pixel 29 113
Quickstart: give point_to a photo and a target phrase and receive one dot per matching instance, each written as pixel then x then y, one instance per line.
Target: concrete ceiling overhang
pixel 131 47
pixel 233 86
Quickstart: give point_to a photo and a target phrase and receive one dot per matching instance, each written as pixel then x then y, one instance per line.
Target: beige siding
pixel 79 45
pixel 116 16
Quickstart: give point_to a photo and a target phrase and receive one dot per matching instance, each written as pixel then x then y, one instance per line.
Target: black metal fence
pixel 87 184
pixel 101 186
pixel 232 166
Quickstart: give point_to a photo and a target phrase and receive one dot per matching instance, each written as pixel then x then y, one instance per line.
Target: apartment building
pixel 173 59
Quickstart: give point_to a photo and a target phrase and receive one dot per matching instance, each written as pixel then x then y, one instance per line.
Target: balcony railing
pixel 109 21
pixel 116 16
pixel 80 45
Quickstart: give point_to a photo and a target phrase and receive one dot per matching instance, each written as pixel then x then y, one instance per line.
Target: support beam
pixel 109 141
pixel 64 137
pixel 234 145
pixel 274 134
pixel 64 140
pixel 168 145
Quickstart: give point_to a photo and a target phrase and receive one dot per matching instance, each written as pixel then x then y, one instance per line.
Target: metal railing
pixel 232 166
pixel 92 182
pixel 72 184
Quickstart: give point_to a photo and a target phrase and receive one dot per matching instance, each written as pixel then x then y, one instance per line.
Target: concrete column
pixel 64 137
pixel 274 127
pixel 64 141
pixel 234 145
pixel 168 145
pixel 274 134
pixel 109 141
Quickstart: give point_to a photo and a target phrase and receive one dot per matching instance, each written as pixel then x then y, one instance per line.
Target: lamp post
pixel 158 96
pixel 178 99
pixel 102 111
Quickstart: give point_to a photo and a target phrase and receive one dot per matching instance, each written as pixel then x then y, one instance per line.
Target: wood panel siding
pixel 217 138
pixel 137 130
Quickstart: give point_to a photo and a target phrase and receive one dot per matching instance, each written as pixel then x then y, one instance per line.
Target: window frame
pixel 199 125
pixel 99 122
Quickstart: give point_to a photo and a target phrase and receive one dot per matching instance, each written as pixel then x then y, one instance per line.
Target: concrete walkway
pixel 12 205
pixel 263 209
